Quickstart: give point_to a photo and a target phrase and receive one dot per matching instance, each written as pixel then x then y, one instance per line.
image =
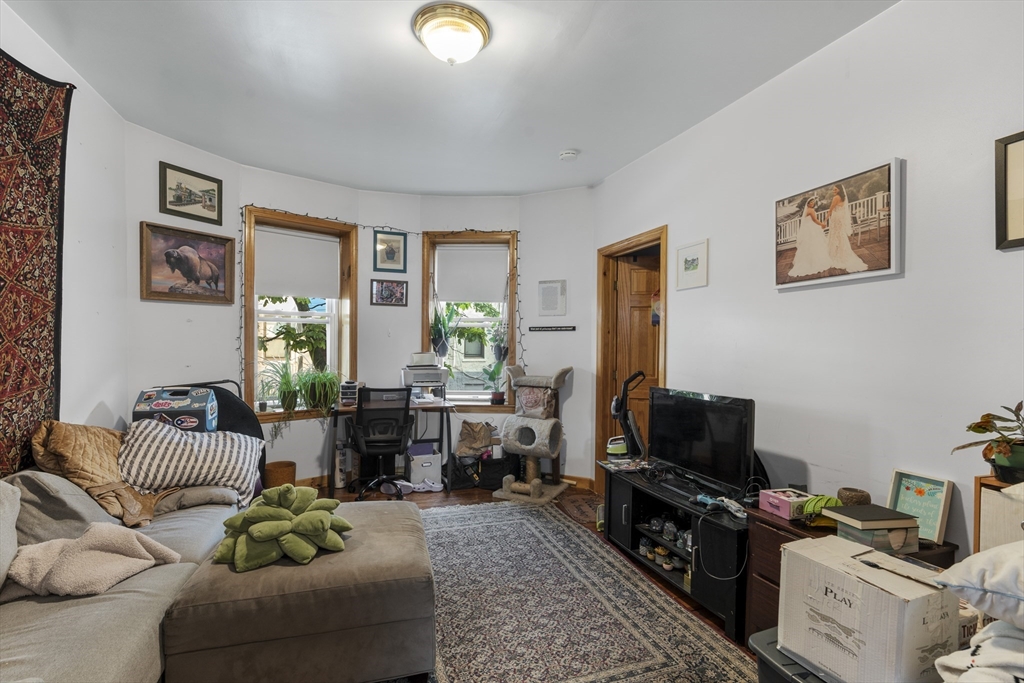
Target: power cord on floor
pixel 696 549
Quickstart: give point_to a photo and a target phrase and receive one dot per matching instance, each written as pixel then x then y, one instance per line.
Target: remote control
pixel 733 507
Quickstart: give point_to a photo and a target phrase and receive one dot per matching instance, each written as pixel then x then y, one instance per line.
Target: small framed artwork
pixel 927 498
pixel 389 253
pixel 389 293
pixel 551 297
pixel 847 229
pixel 183 265
pixel 692 265
pixel 189 194
pixel 1010 191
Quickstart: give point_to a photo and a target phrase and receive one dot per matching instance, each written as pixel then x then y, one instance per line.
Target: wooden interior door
pixel 637 340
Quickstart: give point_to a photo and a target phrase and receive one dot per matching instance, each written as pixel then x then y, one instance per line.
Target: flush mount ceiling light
pixel 452 33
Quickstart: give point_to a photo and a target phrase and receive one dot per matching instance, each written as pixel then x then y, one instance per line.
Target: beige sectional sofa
pixel 364 614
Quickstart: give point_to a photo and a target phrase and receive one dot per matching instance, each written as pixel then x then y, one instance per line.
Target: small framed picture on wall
pixel 389 293
pixel 389 253
pixel 188 194
pixel 1010 191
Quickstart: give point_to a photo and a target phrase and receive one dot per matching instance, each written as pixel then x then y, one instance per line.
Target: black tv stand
pixel 716 574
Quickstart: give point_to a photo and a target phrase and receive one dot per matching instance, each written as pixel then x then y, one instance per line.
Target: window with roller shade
pixel 469 278
pixel 299 283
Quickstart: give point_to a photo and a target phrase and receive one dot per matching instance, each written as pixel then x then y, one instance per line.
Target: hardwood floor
pixel 475 496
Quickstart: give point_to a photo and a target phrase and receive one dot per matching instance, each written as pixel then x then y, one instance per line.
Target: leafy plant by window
pixel 494 376
pixel 319 390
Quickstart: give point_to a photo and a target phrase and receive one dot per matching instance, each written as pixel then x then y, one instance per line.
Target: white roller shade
pixel 293 263
pixel 471 272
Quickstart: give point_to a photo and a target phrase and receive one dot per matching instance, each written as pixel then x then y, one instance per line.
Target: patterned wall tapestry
pixel 33 141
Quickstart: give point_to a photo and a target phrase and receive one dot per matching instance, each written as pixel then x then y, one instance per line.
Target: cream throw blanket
pixel 104 555
pixel 996 655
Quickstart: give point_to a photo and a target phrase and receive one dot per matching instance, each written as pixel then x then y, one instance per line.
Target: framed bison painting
pixel 188 194
pixel 183 265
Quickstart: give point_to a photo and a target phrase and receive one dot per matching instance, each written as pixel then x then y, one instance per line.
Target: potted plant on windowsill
pixel 1005 452
pixel 319 389
pixel 277 380
pixel 494 379
pixel 499 341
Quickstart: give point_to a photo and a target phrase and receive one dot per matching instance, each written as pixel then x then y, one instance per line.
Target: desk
pixel 443 438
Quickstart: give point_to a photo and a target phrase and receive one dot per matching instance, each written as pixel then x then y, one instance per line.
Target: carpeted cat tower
pixel 534 432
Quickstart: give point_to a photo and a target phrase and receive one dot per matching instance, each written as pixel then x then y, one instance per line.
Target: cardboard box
pixel 850 613
pixel 190 409
pixel 420 467
pixel 891 541
pixel 786 503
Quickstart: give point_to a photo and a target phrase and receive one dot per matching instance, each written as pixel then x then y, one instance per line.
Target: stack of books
pixel 885 530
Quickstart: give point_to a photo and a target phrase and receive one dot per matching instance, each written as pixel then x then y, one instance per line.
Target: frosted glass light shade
pixel 453 33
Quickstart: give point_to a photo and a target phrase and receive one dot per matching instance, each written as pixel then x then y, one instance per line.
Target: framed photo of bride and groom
pixel 847 229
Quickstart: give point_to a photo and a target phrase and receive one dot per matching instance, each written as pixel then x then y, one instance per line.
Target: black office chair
pixel 381 428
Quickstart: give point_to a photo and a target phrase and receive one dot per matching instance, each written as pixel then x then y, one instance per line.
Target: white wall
pixel 855 379
pixel 93 321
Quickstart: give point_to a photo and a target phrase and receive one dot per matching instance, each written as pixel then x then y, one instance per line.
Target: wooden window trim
pixel 347 234
pixel 430 241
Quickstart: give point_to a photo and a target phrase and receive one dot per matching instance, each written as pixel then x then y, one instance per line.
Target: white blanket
pixel 996 655
pixel 104 555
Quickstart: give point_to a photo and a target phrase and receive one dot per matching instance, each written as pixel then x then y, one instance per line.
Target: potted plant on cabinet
pixel 1005 452
pixel 494 379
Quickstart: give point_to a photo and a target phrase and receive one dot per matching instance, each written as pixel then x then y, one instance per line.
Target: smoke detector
pixel 568 155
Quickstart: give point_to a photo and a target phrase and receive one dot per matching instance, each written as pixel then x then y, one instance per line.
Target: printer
pixel 424 371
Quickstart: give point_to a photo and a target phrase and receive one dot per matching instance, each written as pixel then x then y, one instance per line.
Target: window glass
pixel 292 334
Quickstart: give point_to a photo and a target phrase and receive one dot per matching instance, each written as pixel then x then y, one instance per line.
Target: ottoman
pixel 363 614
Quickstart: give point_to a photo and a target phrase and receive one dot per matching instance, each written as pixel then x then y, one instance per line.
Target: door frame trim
pixel 606 327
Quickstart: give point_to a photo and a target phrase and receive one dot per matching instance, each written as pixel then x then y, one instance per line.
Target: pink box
pixel 786 503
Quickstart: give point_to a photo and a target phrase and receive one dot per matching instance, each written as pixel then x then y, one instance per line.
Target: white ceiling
pixel 343 92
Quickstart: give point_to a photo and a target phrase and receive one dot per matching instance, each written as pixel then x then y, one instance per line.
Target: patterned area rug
pixel 33 128
pixel 525 594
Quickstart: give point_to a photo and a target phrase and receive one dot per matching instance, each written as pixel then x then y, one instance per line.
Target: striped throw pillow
pixel 155 456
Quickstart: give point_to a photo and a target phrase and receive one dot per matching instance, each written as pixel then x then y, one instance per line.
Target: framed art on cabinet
pixel 188 194
pixel 847 229
pixel 389 293
pixel 1010 191
pixel 183 265
pixel 389 254
pixel 927 498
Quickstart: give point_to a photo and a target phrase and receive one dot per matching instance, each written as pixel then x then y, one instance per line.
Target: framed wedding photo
pixel 191 195
pixel 1010 191
pixel 846 229
pixel 389 293
pixel 389 254
pixel 183 265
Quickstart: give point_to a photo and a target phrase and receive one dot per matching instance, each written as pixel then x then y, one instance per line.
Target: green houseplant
pixel 441 327
pixel 319 390
pixel 499 341
pixel 277 380
pixel 1005 451
pixel 494 379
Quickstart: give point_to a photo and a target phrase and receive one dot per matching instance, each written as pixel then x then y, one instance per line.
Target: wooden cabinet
pixel 767 533
pixel 997 514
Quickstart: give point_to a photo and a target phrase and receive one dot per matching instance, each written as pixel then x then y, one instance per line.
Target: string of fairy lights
pixel 240 342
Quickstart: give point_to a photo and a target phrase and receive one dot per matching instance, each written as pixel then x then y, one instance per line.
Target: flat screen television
pixel 709 439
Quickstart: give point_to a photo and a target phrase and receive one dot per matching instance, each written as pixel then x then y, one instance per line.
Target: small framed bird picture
pixel 183 265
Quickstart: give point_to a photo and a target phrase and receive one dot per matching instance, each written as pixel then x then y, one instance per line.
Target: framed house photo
pixel 389 293
pixel 389 253
pixel 692 265
pixel 927 498
pixel 1010 191
pixel 188 194
pixel 846 229
pixel 182 265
